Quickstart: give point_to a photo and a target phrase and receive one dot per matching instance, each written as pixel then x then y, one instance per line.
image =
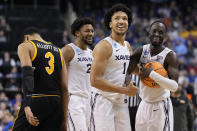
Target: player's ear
pixel 26 38
pixel 77 33
pixel 110 24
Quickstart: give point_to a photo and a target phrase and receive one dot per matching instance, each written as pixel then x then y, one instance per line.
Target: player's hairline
pixel 158 21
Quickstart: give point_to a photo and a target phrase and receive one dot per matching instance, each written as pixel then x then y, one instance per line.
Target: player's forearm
pixel 104 85
pixel 169 84
pixel 127 79
pixel 27 84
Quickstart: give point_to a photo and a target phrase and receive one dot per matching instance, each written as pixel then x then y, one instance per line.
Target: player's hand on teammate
pixel 131 89
pixel 30 117
pixel 145 72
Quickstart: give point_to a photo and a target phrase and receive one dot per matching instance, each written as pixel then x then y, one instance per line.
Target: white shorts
pixel 155 116
pixel 78 113
pixel 108 116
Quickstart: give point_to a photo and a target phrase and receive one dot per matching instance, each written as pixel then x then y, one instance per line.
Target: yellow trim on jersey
pixel 16 118
pixel 43 95
pixel 44 42
pixel 35 52
pixel 48 43
pixel 61 56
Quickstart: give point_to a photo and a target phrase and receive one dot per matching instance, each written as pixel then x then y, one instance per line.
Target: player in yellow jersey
pixel 44 83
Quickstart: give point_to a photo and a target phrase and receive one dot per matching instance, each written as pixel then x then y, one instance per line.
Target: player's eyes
pixel 116 18
pixel 125 18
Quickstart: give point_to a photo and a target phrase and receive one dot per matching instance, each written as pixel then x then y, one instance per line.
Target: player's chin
pixel 89 42
pixel 121 32
pixel 155 42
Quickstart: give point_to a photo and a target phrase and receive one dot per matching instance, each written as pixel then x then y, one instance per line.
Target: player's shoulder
pixel 67 52
pixel 67 48
pixel 25 45
pixel 128 45
pixel 103 48
pixel 104 44
pixel 138 50
pixel 171 55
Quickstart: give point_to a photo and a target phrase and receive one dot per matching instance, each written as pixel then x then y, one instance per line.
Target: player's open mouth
pixel 155 38
pixel 121 27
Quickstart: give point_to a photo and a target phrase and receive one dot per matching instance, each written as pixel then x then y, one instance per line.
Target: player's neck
pixel 119 38
pixel 80 44
pixel 156 49
pixel 38 38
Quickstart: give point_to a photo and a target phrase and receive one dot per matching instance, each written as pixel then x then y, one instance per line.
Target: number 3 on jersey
pixel 50 69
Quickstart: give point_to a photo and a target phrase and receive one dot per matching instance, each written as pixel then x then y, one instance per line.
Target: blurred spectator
pixel 3 97
pixel 16 103
pixel 65 37
pixel 17 100
pixel 16 108
pixel 3 107
pixel 99 35
pixel 172 33
pixel 164 11
pixel 194 32
pixel 7 121
pixel 182 64
pixel 130 37
pixel 190 49
pixel 193 65
pixel 183 80
pixel 180 48
pixel 3 24
pixel 192 76
pixel 184 33
pixel 3 38
pixel 7 63
pixel 135 44
pixel 12 84
pixel 14 73
pixel 183 111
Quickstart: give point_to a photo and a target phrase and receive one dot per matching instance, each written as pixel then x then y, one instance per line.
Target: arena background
pixel 54 17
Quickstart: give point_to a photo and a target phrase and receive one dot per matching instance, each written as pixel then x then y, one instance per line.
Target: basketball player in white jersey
pixel 111 58
pixel 78 58
pixel 155 112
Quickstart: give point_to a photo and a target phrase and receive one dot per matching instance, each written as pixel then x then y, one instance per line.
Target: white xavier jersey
pixel 79 72
pixel 116 69
pixel 153 94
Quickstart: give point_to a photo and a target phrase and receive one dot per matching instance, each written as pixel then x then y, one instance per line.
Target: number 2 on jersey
pixel 89 68
pixel 50 69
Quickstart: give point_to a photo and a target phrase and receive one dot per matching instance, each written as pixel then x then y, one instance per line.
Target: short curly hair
pixel 79 22
pixel 114 9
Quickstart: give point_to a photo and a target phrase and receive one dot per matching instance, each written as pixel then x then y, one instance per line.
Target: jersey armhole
pixel 35 51
pixel 108 42
pixel 61 57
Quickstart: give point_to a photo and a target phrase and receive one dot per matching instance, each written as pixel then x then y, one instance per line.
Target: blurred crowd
pixel 181 21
